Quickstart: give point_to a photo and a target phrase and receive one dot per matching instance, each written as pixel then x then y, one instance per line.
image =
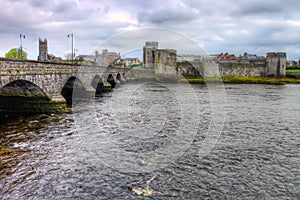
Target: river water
pixel 150 138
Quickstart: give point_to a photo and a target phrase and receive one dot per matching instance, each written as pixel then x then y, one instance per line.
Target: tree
pixel 16 53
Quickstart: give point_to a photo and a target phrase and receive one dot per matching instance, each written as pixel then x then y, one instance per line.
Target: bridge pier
pixel 19 105
pixel 57 104
pixel 121 77
pixel 89 93
pixel 107 86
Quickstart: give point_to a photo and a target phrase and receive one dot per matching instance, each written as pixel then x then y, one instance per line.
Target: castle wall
pixel 273 65
pixel 210 68
pixel 189 69
pixel 276 63
pixel 235 68
pixel 165 60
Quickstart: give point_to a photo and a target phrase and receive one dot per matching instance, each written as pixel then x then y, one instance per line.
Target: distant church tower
pixel 43 50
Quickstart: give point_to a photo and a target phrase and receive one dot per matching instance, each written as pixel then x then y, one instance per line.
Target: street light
pixel 71 35
pixel 21 47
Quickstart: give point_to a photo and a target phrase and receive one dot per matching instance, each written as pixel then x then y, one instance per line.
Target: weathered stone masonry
pixel 164 62
pixel 51 77
pixel 273 65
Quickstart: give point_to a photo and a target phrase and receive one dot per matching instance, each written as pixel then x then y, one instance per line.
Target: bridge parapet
pixel 13 67
pixel 16 67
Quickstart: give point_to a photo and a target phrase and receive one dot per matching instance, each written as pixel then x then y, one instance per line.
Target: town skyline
pixel 217 26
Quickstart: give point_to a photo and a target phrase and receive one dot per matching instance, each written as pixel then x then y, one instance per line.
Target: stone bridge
pixel 20 79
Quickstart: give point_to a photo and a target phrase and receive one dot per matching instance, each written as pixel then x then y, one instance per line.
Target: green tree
pixel 16 53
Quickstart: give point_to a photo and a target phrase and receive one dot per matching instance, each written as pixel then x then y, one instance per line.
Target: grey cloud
pixel 16 19
pixel 166 15
pixel 38 3
pixel 259 40
pixel 166 38
pixel 138 5
pixel 259 8
pixel 265 8
pixel 64 6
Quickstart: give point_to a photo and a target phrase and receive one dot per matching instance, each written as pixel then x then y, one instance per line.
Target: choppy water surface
pixel 107 151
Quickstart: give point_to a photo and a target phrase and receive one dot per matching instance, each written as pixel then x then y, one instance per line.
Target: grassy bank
pixel 243 80
pixel 293 70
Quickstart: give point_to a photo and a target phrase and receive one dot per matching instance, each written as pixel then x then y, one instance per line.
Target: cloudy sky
pixel 234 26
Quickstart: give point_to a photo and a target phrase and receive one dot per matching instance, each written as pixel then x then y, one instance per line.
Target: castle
pixel 166 62
pixel 162 60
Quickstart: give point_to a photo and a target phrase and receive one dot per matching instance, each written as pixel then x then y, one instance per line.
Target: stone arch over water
pixel 22 97
pixel 22 88
pixel 111 81
pixel 98 85
pixel 67 90
pixel 118 77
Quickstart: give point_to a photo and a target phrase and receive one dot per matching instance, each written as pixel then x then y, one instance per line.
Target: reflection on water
pixel 257 155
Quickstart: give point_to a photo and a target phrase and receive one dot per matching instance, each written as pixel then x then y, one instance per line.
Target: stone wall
pixel 211 68
pixel 165 60
pixel 28 86
pixel 189 69
pixel 235 68
pixel 276 64
pixel 51 76
pixel 273 65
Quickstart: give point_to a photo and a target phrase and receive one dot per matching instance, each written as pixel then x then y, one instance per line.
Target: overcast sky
pixel 254 26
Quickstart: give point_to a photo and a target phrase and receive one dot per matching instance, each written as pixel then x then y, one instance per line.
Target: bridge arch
pixel 22 88
pixel 98 85
pixel 111 80
pixel 118 77
pixel 22 97
pixel 68 87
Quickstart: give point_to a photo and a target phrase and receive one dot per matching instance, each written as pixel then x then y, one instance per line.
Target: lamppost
pixel 72 36
pixel 21 47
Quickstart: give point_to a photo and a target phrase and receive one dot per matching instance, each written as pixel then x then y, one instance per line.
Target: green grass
pixel 192 80
pixel 293 70
pixel 242 80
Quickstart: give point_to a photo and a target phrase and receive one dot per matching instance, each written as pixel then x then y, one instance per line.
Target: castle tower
pixel 104 57
pixel 43 50
pixel 276 64
pixel 149 51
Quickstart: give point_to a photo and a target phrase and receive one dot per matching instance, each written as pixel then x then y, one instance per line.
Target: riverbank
pixel 242 80
pixel 293 70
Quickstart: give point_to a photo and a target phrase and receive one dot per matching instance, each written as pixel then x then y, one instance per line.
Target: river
pixel 147 140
